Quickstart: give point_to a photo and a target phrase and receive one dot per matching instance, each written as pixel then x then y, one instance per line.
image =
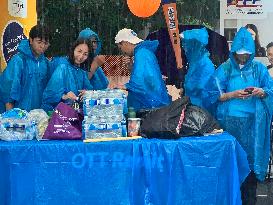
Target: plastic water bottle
pixel 131 112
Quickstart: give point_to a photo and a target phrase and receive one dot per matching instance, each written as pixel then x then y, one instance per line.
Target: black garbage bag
pixel 179 119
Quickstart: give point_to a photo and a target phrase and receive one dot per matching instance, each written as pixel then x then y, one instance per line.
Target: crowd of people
pixel 31 81
pixel 238 93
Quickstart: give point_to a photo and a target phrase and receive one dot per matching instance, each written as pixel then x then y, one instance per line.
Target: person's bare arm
pixel 9 106
pixel 240 94
pixel 97 62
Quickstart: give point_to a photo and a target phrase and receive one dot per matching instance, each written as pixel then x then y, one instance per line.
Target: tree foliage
pixel 66 18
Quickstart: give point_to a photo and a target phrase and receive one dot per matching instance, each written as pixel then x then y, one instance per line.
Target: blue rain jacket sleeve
pixel 2 107
pixel 24 79
pixel 246 119
pixel 55 62
pixel 65 78
pixel 146 88
pixel 217 85
pixel 200 67
pixel 11 80
pixel 99 81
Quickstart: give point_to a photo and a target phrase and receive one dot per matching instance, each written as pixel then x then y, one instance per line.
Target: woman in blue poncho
pixel 96 75
pixel 200 66
pixel 69 80
pixel 242 91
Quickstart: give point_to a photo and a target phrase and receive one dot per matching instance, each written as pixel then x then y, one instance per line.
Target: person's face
pixel 253 34
pixel 270 54
pixel 94 43
pixel 125 48
pixel 80 54
pixel 38 45
pixel 241 58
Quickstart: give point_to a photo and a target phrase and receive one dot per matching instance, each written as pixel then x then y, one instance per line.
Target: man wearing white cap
pixel 241 90
pixel 146 88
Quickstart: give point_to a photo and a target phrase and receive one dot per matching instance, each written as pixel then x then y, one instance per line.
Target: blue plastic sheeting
pixel 206 170
pixel 146 88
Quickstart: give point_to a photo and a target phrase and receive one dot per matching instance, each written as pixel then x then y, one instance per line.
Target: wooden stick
pixel 111 139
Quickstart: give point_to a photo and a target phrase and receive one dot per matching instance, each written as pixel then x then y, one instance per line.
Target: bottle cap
pixel 131 112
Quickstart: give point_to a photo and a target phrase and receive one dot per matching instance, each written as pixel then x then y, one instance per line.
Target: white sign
pixel 17 8
pixel 171 16
pixel 244 9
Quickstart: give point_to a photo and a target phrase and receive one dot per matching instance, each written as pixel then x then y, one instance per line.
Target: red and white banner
pixel 244 9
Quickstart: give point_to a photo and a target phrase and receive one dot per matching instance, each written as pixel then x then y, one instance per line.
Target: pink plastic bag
pixel 66 123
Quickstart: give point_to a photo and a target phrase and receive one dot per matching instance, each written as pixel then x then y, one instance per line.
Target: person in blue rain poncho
pixel 96 75
pixel 69 80
pixel 2 107
pixel 27 73
pixel 242 90
pixel 146 88
pixel 200 66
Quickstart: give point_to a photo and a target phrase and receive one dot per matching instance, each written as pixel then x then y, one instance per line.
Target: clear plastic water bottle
pixel 124 127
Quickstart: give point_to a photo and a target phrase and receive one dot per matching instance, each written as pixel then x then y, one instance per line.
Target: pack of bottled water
pixel 15 125
pixel 104 114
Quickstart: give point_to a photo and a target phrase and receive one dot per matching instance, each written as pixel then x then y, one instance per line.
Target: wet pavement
pixel 265 189
pixel 265 192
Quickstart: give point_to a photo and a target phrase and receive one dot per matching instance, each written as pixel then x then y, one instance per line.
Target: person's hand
pixel 117 86
pixel 128 61
pixel 100 59
pixel 240 94
pixel 9 106
pixel 69 95
pixel 259 92
pixel 164 78
pixel 82 92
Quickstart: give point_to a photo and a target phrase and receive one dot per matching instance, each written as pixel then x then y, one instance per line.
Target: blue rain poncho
pixel 2 107
pixel 146 88
pixel 65 78
pixel 246 119
pixel 99 81
pixel 24 79
pixel 200 66
pixel 55 62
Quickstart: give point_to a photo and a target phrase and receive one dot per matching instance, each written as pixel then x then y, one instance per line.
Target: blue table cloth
pixel 193 170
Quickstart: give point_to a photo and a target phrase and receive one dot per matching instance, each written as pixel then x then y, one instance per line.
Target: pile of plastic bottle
pixel 104 114
pixel 16 125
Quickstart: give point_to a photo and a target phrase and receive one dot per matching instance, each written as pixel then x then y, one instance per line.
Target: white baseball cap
pixel 243 51
pixel 127 35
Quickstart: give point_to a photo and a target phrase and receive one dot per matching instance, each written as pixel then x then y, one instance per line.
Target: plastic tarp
pixel 191 170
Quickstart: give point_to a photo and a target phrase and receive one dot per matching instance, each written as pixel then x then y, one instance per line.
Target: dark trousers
pixel 248 189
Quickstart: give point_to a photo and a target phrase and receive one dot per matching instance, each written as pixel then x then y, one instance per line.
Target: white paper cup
pixel 134 127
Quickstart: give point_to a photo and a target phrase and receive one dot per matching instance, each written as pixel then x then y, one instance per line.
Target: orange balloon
pixel 143 8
